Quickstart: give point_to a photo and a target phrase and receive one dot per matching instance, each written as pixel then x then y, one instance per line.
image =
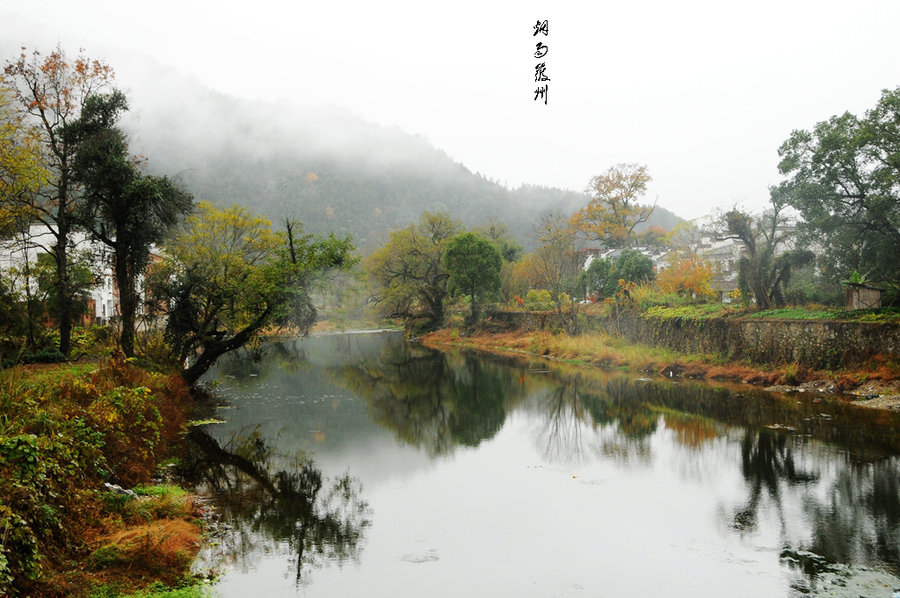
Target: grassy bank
pixel 704 311
pixel 612 353
pixel 65 431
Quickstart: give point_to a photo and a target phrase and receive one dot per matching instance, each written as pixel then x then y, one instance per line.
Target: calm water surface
pixel 359 464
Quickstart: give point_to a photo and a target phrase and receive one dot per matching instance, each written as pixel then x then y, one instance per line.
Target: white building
pixel 723 252
pixel 19 254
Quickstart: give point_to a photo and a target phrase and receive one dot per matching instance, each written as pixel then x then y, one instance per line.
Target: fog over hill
pixel 322 165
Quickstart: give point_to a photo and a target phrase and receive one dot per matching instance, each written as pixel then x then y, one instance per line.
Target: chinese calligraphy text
pixel 541 92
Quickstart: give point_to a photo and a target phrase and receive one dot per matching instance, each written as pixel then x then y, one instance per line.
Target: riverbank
pixel 875 386
pixel 73 438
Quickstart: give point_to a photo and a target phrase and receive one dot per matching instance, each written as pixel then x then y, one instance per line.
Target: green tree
pixel 511 252
pixel 474 265
pixel 409 275
pixel 765 268
pixel 844 178
pixel 125 210
pixel 614 210
pixel 601 279
pixel 49 93
pixel 634 266
pixel 228 275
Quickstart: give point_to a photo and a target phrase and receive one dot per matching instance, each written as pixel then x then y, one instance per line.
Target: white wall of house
pixel 16 250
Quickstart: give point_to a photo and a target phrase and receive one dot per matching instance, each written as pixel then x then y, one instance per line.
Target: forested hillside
pixel 325 166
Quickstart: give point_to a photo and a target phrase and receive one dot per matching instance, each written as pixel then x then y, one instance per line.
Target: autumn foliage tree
pixel 50 92
pixel 22 171
pixel 555 266
pixel 688 276
pixel 614 210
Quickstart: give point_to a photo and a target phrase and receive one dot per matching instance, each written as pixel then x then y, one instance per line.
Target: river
pixel 360 464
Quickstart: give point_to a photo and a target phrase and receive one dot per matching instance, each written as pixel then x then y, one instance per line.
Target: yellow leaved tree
pixel 614 210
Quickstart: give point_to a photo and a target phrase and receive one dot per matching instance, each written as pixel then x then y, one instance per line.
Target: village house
pixel 19 255
pixel 723 253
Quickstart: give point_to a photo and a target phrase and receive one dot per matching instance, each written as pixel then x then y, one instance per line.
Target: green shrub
pixel 43 356
pixel 699 311
pixel 794 313
pixel 539 300
pixel 19 556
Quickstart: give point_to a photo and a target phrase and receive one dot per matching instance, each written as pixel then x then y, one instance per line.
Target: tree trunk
pixel 213 351
pixel 63 288
pixel 127 301
pixel 436 312
pixel 29 301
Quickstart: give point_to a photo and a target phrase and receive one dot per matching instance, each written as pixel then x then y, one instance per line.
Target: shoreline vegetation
pixel 875 386
pixel 86 507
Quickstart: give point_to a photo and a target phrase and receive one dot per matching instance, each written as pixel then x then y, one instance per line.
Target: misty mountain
pixel 324 166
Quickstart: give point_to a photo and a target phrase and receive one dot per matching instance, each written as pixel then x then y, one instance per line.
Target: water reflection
pixel 849 489
pixel 786 474
pixel 429 400
pixel 580 420
pixel 858 519
pixel 259 362
pixel 767 461
pixel 282 508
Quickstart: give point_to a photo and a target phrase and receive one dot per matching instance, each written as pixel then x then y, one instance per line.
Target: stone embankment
pixel 815 344
pixel 819 356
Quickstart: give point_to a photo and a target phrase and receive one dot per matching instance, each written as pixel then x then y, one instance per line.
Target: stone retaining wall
pixel 820 344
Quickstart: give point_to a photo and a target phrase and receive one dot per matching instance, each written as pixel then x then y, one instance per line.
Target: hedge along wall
pixel 820 344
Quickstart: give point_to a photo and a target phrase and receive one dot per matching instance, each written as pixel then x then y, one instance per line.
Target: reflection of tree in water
pixel 767 461
pixel 859 519
pixel 636 417
pixel 439 401
pixel 581 418
pixel 251 365
pixel 286 507
pixel 255 363
pixel 564 423
pixel 428 400
pixel 852 514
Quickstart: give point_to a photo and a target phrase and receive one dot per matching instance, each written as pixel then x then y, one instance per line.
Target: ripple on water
pixel 429 556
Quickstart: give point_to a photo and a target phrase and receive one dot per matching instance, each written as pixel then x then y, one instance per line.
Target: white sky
pixel 703 92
